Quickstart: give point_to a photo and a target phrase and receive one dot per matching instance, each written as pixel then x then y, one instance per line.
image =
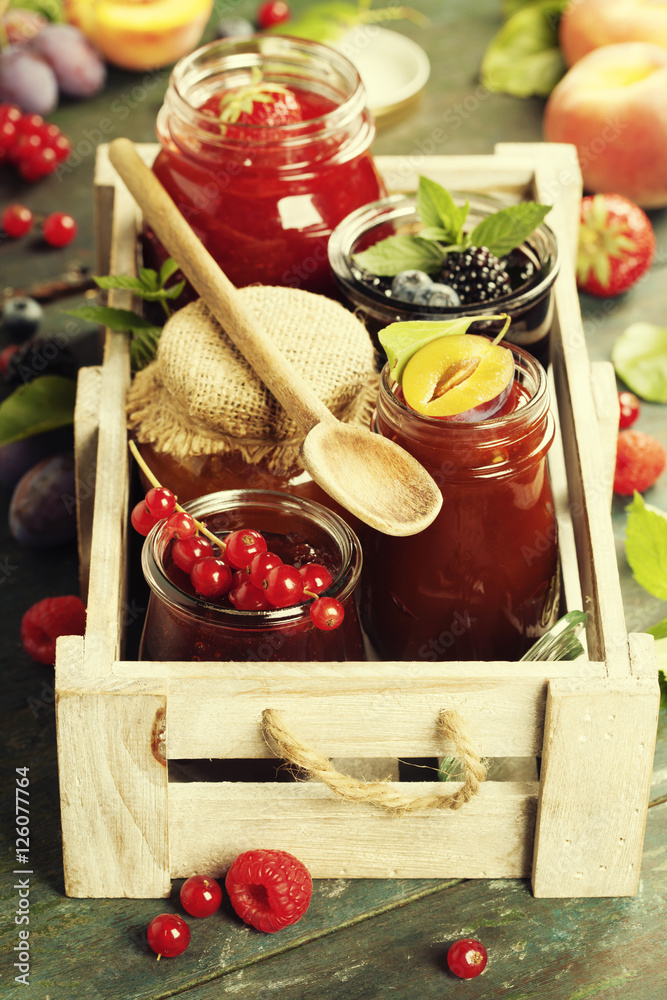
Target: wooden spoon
pixel 368 474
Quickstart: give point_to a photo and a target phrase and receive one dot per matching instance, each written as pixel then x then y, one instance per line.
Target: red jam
pixel 482 581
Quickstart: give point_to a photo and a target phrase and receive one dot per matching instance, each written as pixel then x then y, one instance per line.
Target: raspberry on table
pixel 45 621
pixel 269 889
pixel 640 460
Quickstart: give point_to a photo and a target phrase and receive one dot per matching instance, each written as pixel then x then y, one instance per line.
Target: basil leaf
pixel 508 227
pixel 41 405
pixel 401 253
pixel 116 319
pixel 524 58
pixel 437 209
pixel 646 547
pixel 639 356
pixel 401 340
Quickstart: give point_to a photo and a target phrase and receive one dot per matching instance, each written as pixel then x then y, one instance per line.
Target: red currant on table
pixel 201 895
pixel 187 551
pixel 181 525
pixel 316 577
pixel 467 958
pixel 141 518
pixel 283 586
pixel 168 935
pixel 242 546
pixel 211 577
pixel 272 12
pixel 326 613
pixel 630 409
pixel 59 229
pixel 160 501
pixel 17 220
pixel 269 889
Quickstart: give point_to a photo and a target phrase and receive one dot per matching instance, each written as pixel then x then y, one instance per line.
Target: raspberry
pixel 640 460
pixel 45 621
pixel 269 889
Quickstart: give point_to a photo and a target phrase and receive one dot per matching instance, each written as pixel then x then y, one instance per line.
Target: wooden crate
pixel 578 831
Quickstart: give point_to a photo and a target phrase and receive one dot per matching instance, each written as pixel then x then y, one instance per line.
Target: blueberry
pixel 234 27
pixel 407 284
pixel 439 296
pixel 21 317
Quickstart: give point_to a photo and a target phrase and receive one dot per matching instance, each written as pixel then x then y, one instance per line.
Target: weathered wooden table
pixel 360 939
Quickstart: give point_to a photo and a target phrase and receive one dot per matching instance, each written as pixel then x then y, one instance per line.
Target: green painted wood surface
pixel 364 939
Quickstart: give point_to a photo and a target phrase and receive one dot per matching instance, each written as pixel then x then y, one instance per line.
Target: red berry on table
pixel 8 134
pixel 316 577
pixel 187 551
pixel 181 525
pixel 40 164
pixel 17 220
pixel 211 576
pixel 283 586
pixel 640 461
pixel 260 565
pixel 269 889
pixel 467 958
pixel 59 229
pixel 46 621
pixel 326 613
pixel 160 502
pixel 630 409
pixel 242 545
pixel 10 113
pixel 168 935
pixel 31 124
pixel 201 895
pixel 142 520
pixel 616 244
pixel 271 13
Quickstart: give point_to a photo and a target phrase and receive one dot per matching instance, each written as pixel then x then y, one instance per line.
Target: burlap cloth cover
pixel 200 396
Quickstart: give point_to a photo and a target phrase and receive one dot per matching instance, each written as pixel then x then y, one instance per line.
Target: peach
pixel 588 24
pixel 141 34
pixel 611 105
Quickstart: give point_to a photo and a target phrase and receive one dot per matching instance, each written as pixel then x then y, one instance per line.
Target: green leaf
pixel 401 253
pixel 170 293
pixel 401 340
pixel 168 268
pixel 42 405
pixel 639 356
pixel 323 22
pixel 646 547
pixel 122 281
pixel 143 347
pixel 658 631
pixel 524 58
pixel 661 651
pixel 116 319
pixel 437 208
pixel 50 9
pixel 508 227
pixel 149 279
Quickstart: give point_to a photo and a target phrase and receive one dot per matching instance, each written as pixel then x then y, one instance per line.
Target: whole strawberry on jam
pixel 260 102
pixel 616 245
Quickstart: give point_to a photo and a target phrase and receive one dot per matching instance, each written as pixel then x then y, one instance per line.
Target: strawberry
pixel 269 889
pixel 640 460
pixel 258 103
pixel 616 244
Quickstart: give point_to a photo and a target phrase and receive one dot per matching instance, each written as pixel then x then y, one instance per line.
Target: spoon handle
pixel 215 288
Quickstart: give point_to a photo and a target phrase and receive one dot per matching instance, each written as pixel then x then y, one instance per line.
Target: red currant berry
pixel 326 613
pixel 247 597
pixel 316 577
pixel 201 895
pixel 243 545
pixel 59 229
pixel 61 146
pixel 142 520
pixel 8 134
pixel 271 13
pixel 24 148
pixel 181 525
pixel 187 551
pixel 10 113
pixel 467 958
pixel 260 565
pixel 160 501
pixel 30 124
pixel 630 409
pixel 211 577
pixel 17 220
pixel 283 586
pixel 168 935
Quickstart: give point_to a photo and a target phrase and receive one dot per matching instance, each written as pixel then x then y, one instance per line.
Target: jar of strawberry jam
pixel 482 581
pixel 180 625
pixel 264 195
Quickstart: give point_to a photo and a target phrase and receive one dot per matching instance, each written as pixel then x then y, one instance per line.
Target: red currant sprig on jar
pixel 240 567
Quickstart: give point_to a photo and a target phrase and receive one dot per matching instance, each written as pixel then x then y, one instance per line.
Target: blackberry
pixel 476 275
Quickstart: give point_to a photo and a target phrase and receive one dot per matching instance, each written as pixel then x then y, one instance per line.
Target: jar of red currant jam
pixel 482 581
pixel 180 625
pixel 264 179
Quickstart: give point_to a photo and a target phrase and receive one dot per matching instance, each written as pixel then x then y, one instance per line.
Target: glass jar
pixel 263 200
pixel 482 581
pixel 529 305
pixel 180 625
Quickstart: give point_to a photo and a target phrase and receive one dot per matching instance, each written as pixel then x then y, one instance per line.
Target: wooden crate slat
pixel 511 175
pixel 490 837
pixel 86 427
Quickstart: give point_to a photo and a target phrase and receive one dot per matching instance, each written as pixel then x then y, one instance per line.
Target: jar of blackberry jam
pixel 482 581
pixel 265 199
pixel 180 625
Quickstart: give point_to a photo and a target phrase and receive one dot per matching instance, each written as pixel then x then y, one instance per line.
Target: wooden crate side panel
pixel 594 786
pixel 511 175
pixel 86 426
pixel 489 837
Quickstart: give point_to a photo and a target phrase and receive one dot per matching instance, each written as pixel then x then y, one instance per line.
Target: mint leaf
pixel 401 340
pixel 143 347
pixel 437 209
pixel 507 228
pixel 168 268
pixel 639 356
pixel 401 253
pixel 116 319
pixel 122 281
pixel 41 405
pixel 524 58
pixel 646 547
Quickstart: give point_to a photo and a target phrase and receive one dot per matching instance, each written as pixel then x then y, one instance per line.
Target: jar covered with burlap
pixel 203 419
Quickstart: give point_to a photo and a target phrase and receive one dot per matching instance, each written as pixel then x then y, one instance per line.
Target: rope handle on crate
pixel 282 739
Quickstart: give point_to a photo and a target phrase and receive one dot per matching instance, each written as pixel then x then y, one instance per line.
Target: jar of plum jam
pixel 482 581
pixel 264 200
pixel 180 625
